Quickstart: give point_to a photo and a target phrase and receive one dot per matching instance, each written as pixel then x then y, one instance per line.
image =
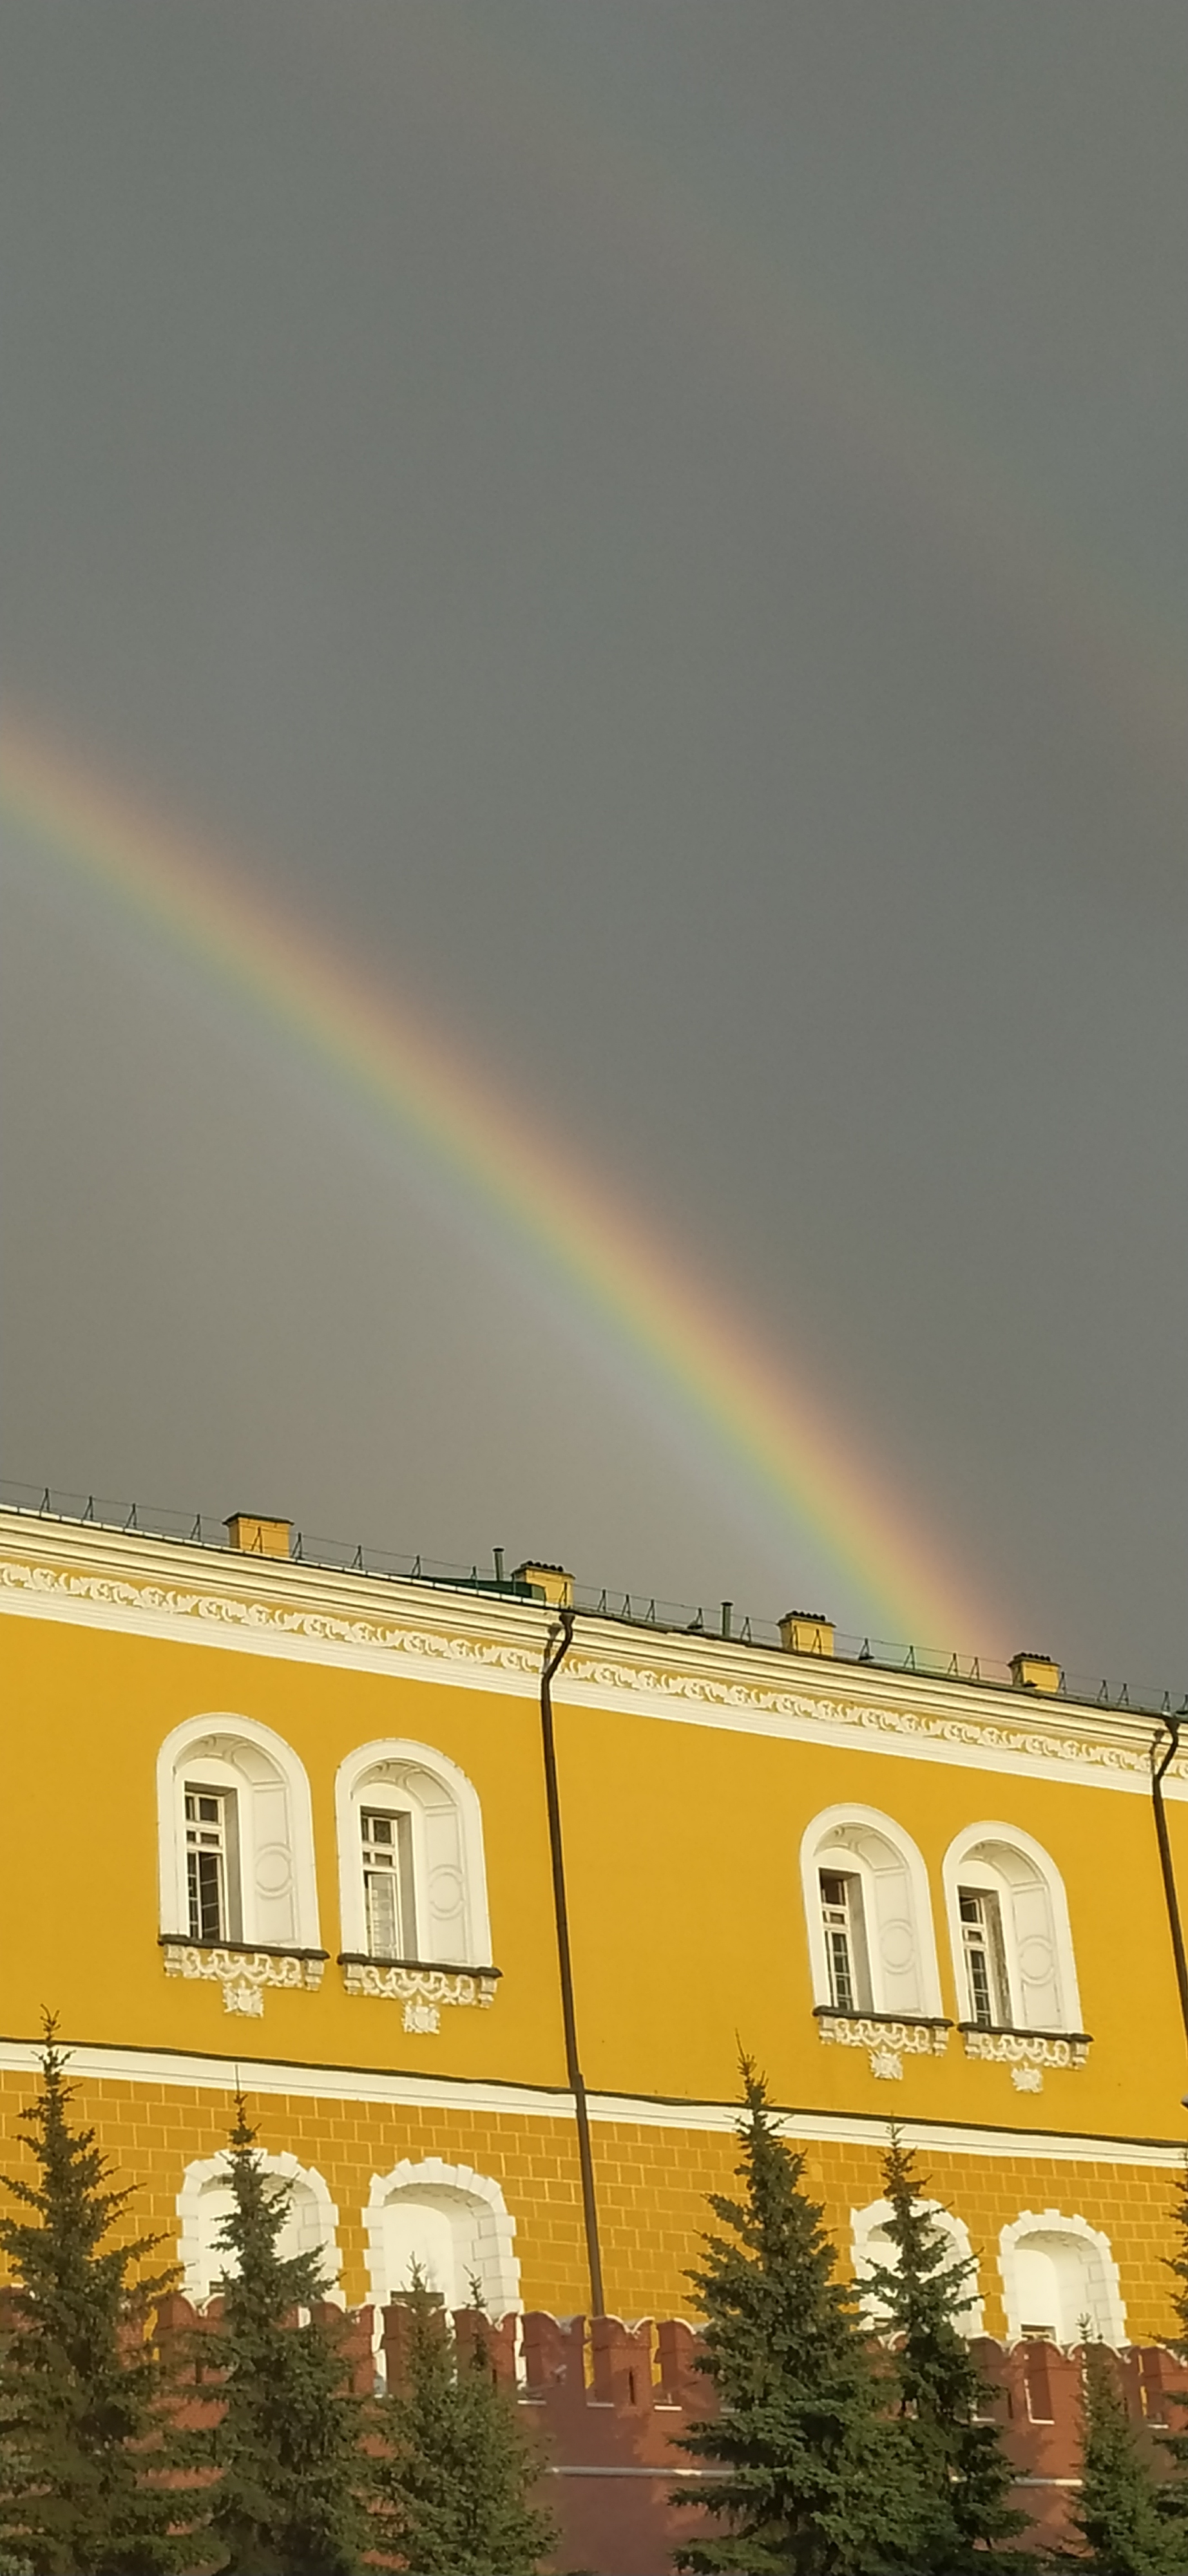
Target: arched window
pixel 1057 2273
pixel 235 1837
pixel 869 1920
pixel 1009 1927
pixel 206 2200
pixel 410 1858
pixel 450 2221
pixel 871 2245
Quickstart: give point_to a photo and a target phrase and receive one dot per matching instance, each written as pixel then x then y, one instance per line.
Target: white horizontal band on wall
pixel 452 2093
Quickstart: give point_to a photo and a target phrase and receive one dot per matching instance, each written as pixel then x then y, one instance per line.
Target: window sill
pixel 242 1968
pixel 422 1986
pixel 887 2037
pixel 1027 2052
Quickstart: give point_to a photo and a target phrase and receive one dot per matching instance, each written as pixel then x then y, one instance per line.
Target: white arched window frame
pixel 1004 1862
pixel 861 1844
pixel 310 2228
pixel 869 2245
pixel 455 2222
pixel 446 1907
pixel 276 1895
pixel 1076 2274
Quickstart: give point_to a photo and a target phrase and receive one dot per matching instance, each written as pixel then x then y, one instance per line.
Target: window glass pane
pixel 985 1957
pixel 837 1915
pixel 382 1939
pixel 387 1892
pixel 206 1863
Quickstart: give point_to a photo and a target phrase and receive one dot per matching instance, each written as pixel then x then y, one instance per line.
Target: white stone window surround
pixel 864 1844
pixel 278 1881
pixel 449 1890
pixel 1093 2288
pixel 866 2226
pixel 313 2211
pixel 481 2228
pixel 1037 1934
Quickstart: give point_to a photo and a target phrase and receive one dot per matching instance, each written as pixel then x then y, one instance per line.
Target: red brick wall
pixel 607 2401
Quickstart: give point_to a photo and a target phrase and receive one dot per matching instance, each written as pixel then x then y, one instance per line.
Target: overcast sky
pixel 660 528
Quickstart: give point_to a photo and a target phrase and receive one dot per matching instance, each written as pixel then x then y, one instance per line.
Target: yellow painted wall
pixel 106 1702
pixel 682 1845
pixel 682 1848
pixel 697 1931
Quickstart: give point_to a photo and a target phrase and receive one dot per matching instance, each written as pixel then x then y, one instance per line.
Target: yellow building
pixel 291 1826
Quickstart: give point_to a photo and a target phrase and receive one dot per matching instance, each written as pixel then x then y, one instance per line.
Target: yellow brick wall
pixel 652 2187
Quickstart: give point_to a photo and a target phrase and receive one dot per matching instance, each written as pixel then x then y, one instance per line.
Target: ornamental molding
pixel 692 1681
pixel 243 1974
pixel 871 1717
pixel 422 1991
pixel 259 1618
pixel 886 2042
pixel 1028 2051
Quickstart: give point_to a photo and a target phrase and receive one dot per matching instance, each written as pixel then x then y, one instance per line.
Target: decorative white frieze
pixel 974 1720
pixel 1027 2051
pixel 887 2042
pixel 422 1991
pixel 243 1974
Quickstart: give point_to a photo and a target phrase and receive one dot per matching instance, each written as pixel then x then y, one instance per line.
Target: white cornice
pixel 152 1587
pixel 388 2091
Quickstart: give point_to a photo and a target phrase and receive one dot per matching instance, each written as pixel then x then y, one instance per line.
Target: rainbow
pixel 745 1409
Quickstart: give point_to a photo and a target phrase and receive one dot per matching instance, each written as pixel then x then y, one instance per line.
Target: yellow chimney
pixel 805 1632
pixel 255 1536
pixel 551 1581
pixel 1035 1672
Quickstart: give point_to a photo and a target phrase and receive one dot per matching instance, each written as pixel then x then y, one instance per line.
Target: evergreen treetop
pixel 916 2299
pixel 1177 2261
pixel 455 2477
pixel 291 2474
pixel 1173 2492
pixel 1118 2512
pixel 817 2480
pixel 84 2432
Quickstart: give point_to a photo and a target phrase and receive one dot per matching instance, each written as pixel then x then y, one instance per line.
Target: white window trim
pixel 815 1855
pixel 500 2279
pixel 1058 2222
pixel 347 1804
pixel 863 2223
pixel 216 1729
pixel 954 1875
pixel 209 2169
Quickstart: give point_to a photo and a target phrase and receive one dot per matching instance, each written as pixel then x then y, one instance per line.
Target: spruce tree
pixel 291 2474
pixel 454 2481
pixel 1177 2260
pixel 818 2480
pixel 917 2299
pixel 84 2433
pixel 1173 2492
pixel 1118 2512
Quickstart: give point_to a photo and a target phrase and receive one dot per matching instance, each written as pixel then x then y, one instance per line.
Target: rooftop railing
pixel 626 1609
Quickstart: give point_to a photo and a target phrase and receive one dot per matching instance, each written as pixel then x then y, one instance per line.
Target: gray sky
pixel 661 529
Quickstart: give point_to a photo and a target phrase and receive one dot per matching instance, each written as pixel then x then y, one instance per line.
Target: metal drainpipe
pixel 1173 1725
pixel 565 1965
